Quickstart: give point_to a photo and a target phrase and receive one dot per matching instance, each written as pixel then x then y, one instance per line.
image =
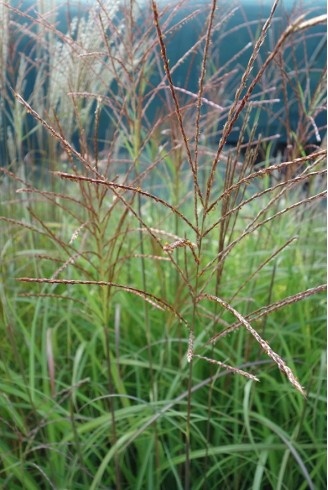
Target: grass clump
pixel 154 260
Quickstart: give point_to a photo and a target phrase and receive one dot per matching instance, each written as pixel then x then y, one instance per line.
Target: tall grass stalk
pixel 164 240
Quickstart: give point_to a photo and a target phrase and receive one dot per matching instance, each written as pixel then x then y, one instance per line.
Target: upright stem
pixel 112 409
pixel 136 106
pixel 190 359
pixel 106 318
pixel 187 463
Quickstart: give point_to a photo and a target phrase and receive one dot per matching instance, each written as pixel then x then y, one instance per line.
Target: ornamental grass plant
pixel 162 288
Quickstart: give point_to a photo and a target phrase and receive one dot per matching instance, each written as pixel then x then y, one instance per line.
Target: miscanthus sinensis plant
pixel 160 207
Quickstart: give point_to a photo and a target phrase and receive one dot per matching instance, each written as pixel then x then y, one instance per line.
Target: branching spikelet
pixel 264 345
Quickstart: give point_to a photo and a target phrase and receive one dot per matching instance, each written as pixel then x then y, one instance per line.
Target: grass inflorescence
pixel 162 288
